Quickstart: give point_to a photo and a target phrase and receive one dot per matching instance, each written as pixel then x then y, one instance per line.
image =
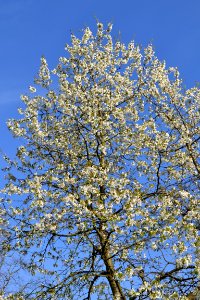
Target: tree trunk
pixel 106 256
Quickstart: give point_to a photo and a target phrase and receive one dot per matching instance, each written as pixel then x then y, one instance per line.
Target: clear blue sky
pixel 31 28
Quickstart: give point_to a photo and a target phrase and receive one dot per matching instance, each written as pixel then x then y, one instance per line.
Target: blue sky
pixel 31 28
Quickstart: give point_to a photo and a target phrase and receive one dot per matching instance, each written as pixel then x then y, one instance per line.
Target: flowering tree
pixel 107 179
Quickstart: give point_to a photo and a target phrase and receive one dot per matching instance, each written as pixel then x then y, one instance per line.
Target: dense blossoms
pixel 107 180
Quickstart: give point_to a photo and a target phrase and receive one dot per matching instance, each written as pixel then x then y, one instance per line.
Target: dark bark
pixel 110 270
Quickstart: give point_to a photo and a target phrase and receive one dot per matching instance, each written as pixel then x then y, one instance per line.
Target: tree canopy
pixel 102 199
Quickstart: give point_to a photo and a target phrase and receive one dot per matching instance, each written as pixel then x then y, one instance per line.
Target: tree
pixel 107 178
